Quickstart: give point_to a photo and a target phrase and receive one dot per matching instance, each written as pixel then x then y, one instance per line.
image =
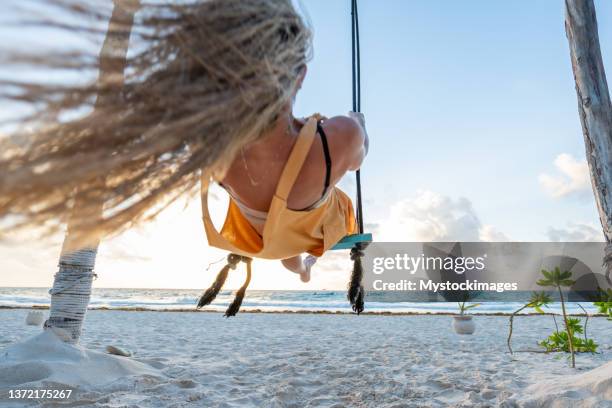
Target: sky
pixel 474 135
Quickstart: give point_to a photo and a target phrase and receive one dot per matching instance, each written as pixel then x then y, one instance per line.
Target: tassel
pixel 212 292
pixel 234 307
pixel 355 290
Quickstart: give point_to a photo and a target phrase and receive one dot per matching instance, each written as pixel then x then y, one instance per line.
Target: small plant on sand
pixel 463 324
pixel 558 341
pixel 604 303
pixel 537 301
pixel 557 280
pixel 463 307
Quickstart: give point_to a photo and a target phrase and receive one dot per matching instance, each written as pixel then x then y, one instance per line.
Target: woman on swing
pixel 306 162
pixel 209 98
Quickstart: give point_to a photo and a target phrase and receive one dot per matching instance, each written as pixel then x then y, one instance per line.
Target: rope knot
pixel 233 260
pixel 358 251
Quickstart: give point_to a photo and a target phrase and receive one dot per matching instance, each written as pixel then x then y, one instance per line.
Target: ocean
pixel 263 300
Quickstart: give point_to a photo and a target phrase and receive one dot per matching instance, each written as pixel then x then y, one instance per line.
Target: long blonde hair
pixel 213 77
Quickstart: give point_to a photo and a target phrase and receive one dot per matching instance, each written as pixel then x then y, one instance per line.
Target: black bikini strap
pixel 328 162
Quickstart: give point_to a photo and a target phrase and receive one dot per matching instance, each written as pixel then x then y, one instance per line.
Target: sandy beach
pixel 302 360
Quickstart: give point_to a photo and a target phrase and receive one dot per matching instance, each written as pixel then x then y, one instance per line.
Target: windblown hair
pixel 213 76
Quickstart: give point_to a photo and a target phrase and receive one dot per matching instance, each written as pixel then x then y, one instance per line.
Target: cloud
pixel 119 251
pixel 431 216
pixel 332 270
pixel 576 232
pixel 347 183
pixel 573 178
pixel 489 233
pixel 26 262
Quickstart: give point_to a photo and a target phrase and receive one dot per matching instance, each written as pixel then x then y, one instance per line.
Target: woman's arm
pixel 348 142
pixel 360 118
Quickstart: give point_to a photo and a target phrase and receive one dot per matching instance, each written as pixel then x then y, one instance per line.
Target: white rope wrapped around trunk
pixel 72 285
pixel 71 293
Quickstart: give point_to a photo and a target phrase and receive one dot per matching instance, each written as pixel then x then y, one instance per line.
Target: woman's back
pixel 253 176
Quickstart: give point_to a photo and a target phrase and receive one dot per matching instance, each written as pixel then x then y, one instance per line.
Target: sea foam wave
pixel 311 301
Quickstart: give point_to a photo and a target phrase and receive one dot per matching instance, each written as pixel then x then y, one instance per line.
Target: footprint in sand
pixel 185 383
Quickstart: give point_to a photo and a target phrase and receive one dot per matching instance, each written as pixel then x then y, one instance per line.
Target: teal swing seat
pixel 349 241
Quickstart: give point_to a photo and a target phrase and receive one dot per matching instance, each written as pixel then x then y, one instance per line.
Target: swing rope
pixel 359 236
pixel 356 292
pixel 356 62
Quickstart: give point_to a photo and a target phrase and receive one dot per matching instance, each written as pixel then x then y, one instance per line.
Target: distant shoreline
pixel 304 312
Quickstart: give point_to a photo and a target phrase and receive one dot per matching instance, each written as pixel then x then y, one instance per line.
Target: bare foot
pixel 300 266
pixel 308 262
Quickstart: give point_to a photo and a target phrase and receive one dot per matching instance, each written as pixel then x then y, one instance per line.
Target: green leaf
pixel 539 299
pixel 545 282
pixel 574 325
pixel 567 282
pixel 473 305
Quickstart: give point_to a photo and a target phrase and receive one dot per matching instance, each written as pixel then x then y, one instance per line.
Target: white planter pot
pixel 35 318
pixel 463 324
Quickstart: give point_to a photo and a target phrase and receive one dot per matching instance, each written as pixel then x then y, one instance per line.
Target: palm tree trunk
pixel 570 335
pixel 594 107
pixel 72 283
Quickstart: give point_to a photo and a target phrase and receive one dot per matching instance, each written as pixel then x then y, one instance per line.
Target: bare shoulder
pixel 346 141
pixel 343 129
